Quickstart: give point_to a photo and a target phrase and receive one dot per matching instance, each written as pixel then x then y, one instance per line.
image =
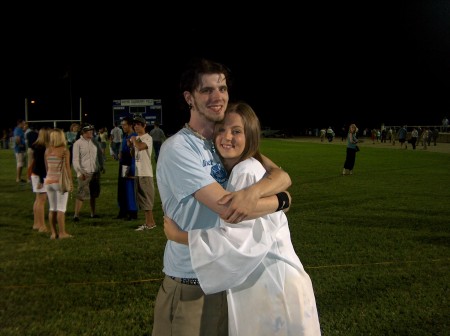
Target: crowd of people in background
pixel 40 154
pixel 413 135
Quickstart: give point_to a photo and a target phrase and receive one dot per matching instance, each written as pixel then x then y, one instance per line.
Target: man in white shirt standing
pixel 144 184
pixel 87 166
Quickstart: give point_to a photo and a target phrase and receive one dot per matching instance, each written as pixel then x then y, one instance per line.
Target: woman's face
pixel 230 137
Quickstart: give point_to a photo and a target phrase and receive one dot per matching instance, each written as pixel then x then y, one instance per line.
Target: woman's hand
pixel 173 231
pixel 170 228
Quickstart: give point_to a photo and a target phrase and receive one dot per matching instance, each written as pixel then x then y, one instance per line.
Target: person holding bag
pixel 55 154
pixel 352 148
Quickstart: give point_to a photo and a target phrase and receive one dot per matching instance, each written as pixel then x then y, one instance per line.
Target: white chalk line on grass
pixel 378 263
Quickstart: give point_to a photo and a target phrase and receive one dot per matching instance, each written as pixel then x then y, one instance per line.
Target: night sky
pixel 325 64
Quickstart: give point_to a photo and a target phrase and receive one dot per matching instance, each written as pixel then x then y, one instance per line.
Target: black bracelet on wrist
pixel 283 201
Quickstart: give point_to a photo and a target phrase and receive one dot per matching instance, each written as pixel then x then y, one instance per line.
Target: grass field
pixel 376 245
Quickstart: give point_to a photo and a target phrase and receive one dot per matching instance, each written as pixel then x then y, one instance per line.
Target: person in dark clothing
pixel 435 135
pixel 31 135
pixel 126 197
pixel 37 175
pixel 402 137
pixel 352 148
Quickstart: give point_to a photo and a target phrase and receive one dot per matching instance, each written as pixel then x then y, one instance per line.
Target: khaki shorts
pixel 145 192
pixel 20 159
pixel 185 310
pixel 90 187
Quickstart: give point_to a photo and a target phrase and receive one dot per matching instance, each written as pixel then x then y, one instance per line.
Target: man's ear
pixel 187 97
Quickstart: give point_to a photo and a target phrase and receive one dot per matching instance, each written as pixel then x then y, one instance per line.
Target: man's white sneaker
pixel 145 227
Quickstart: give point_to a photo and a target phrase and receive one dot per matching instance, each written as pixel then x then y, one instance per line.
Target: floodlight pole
pixel 71 100
pixel 26 109
pixel 81 109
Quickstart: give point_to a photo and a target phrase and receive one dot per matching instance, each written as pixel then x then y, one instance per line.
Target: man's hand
pixel 239 205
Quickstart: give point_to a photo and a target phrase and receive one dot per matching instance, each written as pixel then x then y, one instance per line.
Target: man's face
pixel 88 135
pixel 126 127
pixel 139 127
pixel 210 99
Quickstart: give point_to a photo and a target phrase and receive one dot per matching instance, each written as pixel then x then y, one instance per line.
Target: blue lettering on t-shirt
pixel 208 163
pixel 219 173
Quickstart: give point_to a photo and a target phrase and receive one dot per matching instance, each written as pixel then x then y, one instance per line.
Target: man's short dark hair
pixel 190 79
pixel 128 120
